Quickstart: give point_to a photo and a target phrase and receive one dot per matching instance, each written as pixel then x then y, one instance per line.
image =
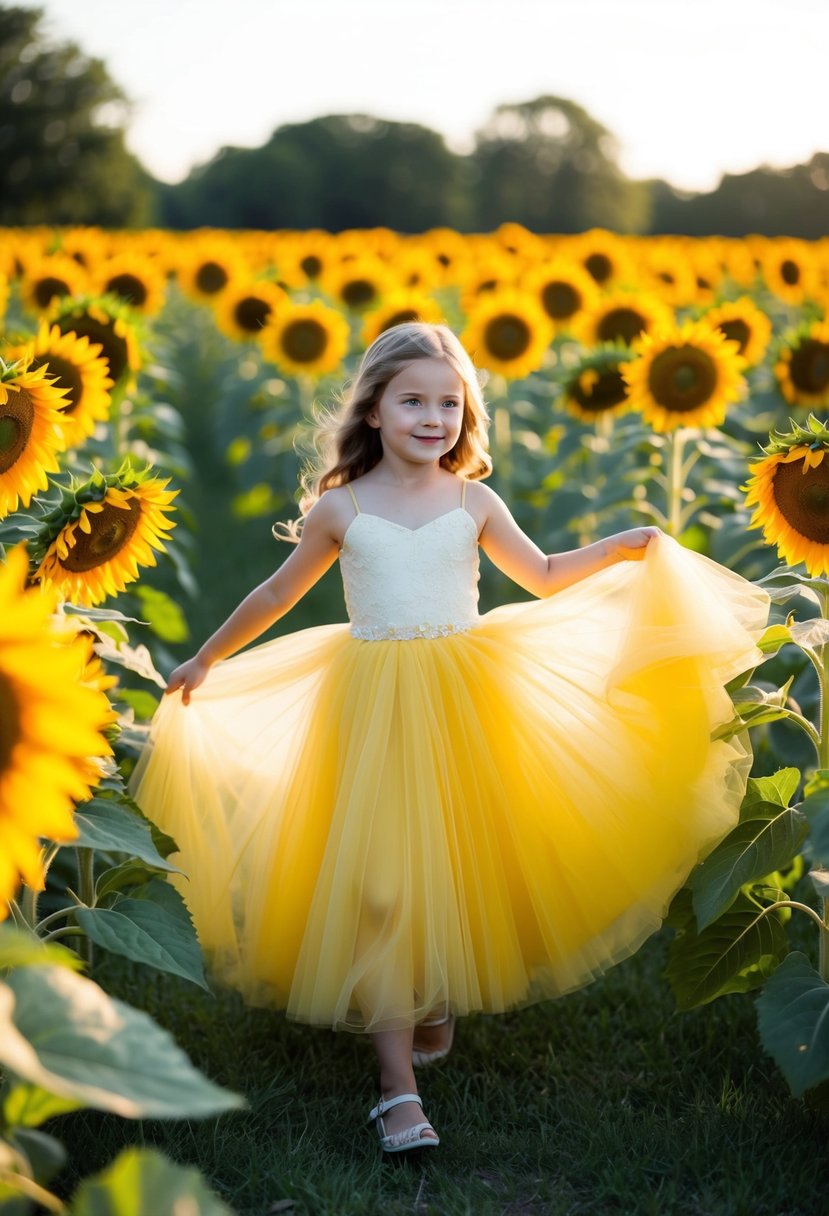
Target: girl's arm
pixel 520 559
pixel 316 552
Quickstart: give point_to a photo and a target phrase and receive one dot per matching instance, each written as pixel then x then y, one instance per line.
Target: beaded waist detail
pixel 400 633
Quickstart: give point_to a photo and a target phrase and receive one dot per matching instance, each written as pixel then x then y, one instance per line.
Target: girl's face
pixel 420 411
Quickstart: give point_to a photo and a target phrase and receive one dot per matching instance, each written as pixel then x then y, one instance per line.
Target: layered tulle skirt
pixel 372 831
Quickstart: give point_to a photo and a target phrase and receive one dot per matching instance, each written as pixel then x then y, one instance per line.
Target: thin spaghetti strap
pixel 463 493
pixel 353 498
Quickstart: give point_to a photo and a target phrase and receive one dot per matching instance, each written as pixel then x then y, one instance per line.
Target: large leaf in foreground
pixel 707 964
pixel 793 1019
pixel 63 1033
pixel 147 933
pixel 104 824
pixel 142 1182
pixel 752 850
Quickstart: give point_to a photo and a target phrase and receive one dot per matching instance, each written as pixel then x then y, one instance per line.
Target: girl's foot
pixel 403 1116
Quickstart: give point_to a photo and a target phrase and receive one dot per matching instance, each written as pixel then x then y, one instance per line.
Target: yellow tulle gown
pixel 427 809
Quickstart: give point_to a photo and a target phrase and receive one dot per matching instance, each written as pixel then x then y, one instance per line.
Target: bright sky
pixel 690 88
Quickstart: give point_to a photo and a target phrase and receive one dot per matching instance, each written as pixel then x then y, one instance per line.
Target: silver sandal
pixel 410 1137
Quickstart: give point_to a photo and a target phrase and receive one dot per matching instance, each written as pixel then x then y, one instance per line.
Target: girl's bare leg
pixel 394 1054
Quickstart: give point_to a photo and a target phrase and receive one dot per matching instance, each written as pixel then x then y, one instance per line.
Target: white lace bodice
pixel 410 583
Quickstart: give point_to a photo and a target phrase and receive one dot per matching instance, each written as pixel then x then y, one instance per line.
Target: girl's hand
pixel 631 545
pixel 188 676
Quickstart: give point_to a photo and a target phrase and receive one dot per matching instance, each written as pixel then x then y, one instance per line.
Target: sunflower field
pixel 156 393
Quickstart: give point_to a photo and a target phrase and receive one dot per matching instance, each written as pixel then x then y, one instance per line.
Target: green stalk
pixel 676 481
pixel 823 763
pixel 86 890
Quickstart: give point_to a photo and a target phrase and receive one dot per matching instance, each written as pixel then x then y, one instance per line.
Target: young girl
pixel 428 813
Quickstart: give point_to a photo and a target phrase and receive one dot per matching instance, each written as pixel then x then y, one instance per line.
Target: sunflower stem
pixel 676 443
pixel 823 681
pixel 823 943
pixel 86 890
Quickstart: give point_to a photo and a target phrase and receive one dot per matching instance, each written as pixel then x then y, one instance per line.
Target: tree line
pixel 545 163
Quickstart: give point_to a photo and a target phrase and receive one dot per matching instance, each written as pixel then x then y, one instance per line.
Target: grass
pixel 607 1101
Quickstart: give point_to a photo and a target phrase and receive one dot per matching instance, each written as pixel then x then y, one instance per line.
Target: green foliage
pixel 793 1019
pixel 65 1044
pixel 142 1182
pixel 767 841
pixel 732 954
pixel 63 158
pixel 62 1033
pixel 547 164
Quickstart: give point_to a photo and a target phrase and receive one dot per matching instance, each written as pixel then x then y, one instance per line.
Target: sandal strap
pixel 388 1103
pixel 408 1133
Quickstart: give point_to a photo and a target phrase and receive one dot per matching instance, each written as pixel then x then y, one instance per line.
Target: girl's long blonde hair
pixel 345 446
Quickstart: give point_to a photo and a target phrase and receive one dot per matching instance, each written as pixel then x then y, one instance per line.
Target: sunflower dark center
pixel 803 498
pixel 736 330
pixel 67 375
pixel 112 529
pixel 210 278
pixel 48 289
pixel 444 259
pixel 486 285
pixel 9 722
pixel 400 318
pixel 790 272
pixel 599 266
pixel 624 323
pixel 129 287
pixel 507 336
pixel 251 313
pixel 560 299
pixel 304 340
pixel 606 392
pixel 115 349
pixel 682 378
pixel 357 293
pixel 311 265
pixel 809 368
pixel 17 418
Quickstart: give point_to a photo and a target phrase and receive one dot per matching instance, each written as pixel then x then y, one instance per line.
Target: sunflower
pixel 789 488
pixel 49 279
pixel 603 255
pixel 668 272
pixel 684 376
pixel 91 544
pixel 595 387
pixel 802 366
pixel 209 264
pixel 358 284
pixel 788 269
pixel 741 321
pixel 244 308
pixel 134 279
pixel 622 316
pixel 110 324
pixel 4 295
pixel 448 252
pixel 400 306
pixel 563 289
pixel 486 273
pixel 31 435
pixel 75 365
pixel 304 258
pixel 309 339
pixel 53 715
pixel 508 332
